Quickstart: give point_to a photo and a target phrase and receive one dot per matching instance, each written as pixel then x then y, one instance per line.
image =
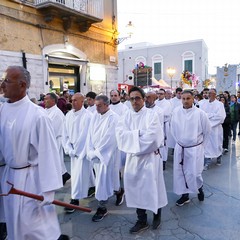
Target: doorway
pixel 64 78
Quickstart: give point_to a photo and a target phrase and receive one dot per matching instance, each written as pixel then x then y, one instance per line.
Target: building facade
pixel 65 44
pixel 189 56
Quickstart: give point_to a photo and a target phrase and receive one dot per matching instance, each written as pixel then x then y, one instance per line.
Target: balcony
pixel 83 12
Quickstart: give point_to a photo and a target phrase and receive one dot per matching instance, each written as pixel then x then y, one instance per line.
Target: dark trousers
pixel 142 216
pixel 3 231
pixel 234 129
pixel 226 132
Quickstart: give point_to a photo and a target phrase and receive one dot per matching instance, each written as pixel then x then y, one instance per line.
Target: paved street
pixel 217 218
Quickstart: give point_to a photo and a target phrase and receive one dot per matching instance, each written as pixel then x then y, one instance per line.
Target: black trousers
pixel 226 132
pixel 142 216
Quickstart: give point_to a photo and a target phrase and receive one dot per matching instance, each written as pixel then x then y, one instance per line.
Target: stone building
pixel 65 44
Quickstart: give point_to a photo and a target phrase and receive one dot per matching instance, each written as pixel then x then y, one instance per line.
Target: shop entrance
pixel 64 78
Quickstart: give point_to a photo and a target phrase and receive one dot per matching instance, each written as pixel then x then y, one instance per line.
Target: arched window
pixel 188 61
pixel 157 63
pixel 140 59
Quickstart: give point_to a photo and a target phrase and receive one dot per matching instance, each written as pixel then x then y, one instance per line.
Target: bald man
pixel 32 161
pixel 76 130
pixel 150 102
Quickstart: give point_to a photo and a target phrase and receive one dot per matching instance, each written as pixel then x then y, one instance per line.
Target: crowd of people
pixel 118 145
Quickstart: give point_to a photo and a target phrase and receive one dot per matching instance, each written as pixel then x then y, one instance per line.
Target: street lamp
pixel 171 71
pixel 129 31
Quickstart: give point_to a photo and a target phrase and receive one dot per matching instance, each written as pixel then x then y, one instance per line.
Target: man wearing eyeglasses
pixel 32 161
pixel 137 134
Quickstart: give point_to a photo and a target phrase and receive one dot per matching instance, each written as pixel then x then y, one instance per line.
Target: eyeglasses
pixel 135 99
pixel 6 80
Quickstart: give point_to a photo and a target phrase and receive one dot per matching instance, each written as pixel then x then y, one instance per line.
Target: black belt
pixel 18 168
pixel 181 163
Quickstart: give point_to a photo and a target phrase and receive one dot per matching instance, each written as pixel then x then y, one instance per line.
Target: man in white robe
pixel 150 99
pixel 3 232
pixel 76 130
pixel 102 151
pixel 138 135
pixel 3 229
pixel 166 107
pixel 190 127
pixel 90 96
pixel 30 152
pixel 58 119
pixel 216 114
pixel 205 94
pixel 119 108
pixel 116 105
pixel 175 102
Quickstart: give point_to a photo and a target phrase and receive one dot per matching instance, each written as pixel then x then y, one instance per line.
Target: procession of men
pixel 118 150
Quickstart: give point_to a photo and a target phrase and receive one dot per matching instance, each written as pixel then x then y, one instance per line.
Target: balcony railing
pixel 92 8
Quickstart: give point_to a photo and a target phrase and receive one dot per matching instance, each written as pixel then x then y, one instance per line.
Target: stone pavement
pixel 217 218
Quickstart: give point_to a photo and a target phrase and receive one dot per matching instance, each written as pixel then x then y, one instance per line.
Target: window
pixel 157 66
pixel 188 61
pixel 140 59
pixel 188 65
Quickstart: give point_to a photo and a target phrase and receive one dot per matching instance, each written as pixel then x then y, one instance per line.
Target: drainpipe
pixel 24 60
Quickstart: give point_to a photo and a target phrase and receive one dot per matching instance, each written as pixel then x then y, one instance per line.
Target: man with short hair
pixel 175 102
pixel 101 152
pixel 32 161
pixel 205 95
pixel 166 107
pixel 216 115
pixel 168 94
pixel 138 135
pixel 58 120
pixel 90 96
pixel 190 128
pixel 119 108
pixel 116 105
pixel 76 130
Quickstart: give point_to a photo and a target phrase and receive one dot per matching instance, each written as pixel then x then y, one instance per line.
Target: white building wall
pixel 171 57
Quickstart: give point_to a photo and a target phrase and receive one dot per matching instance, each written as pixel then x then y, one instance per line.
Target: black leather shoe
pixel 201 194
pixel 156 219
pixel 139 227
pixel 65 177
pixel 64 237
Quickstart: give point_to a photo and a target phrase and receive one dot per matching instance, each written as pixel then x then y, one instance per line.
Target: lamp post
pixel 171 71
pixel 129 30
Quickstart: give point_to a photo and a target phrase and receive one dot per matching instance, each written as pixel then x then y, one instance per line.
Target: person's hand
pixel 142 132
pixel 91 155
pixel 71 153
pixel 48 198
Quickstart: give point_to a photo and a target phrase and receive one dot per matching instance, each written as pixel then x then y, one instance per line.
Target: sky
pixel 169 21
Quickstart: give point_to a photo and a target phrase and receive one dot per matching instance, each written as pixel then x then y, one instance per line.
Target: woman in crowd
pixel 226 124
pixel 234 110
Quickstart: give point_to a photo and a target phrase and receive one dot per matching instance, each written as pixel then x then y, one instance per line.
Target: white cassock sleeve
pixel 44 141
pixel 142 140
pixel 217 117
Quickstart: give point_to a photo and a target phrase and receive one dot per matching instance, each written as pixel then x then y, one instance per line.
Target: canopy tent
pixel 160 84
